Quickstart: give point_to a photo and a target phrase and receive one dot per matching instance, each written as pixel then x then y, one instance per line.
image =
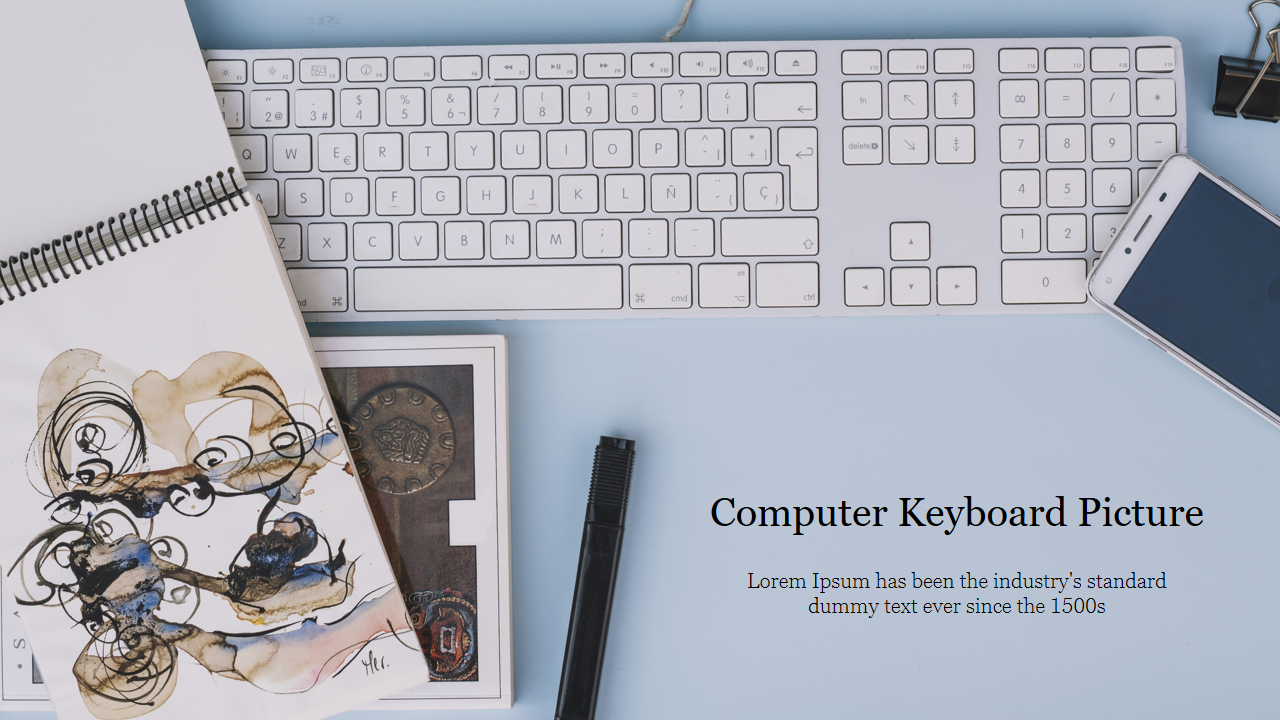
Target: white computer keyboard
pixel 722 179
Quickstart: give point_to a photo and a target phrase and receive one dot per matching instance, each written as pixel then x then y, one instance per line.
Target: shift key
pixel 320 290
pixel 745 237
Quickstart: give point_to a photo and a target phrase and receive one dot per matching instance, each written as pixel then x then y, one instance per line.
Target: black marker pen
pixel 597 570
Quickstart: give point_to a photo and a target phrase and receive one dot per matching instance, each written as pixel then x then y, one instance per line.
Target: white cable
pixel 684 17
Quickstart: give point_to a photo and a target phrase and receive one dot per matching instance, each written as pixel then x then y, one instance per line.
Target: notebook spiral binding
pixel 61 259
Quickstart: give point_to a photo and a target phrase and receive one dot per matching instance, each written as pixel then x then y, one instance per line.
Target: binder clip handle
pixel 1238 83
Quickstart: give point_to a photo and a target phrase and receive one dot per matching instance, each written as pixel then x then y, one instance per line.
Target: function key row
pixel 959 61
pixel 453 68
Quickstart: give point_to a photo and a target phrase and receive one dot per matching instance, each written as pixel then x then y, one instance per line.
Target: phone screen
pixel 1210 285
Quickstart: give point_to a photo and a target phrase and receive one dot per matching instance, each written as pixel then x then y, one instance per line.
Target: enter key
pixel 798 150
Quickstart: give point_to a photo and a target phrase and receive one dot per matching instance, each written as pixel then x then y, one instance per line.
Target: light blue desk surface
pixel 1013 410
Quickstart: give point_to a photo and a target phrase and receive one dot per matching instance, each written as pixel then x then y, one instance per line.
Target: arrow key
pixel 909 286
pixel 909 241
pixel 909 99
pixel 957 286
pixel 954 144
pixel 863 287
pixel 909 145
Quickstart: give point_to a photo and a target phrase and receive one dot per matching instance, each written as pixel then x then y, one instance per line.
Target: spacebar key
pixel 503 287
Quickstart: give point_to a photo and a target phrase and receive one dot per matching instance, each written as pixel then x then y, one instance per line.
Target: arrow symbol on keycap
pixel 807 152
pixel 803 109
pixel 910 145
pixel 907 99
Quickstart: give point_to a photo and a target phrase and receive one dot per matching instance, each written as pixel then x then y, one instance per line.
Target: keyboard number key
pixel 1019 143
pixel 359 107
pixel 495 105
pixel 633 103
pixel 1020 188
pixel 269 108
pixel 315 108
pixel 1067 233
pixel 1064 143
pixel 1112 187
pixel 1065 188
pixel 1111 142
pixel 231 103
pixel 1020 233
pixel 450 106
pixel 1042 281
pixel 406 106
pixel 1105 228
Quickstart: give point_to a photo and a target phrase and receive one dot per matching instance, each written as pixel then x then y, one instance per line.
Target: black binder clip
pixel 1245 89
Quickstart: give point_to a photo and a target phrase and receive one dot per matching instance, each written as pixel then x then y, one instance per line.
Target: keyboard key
pixel 487 195
pixel 785 101
pixel 367 69
pixel 320 290
pixel 908 99
pixel 463 240
pixel 1109 59
pixel 1064 143
pixel 557 239
pixel 461 67
pixel 953 99
pixel 231 103
pixel 798 150
pixel 762 191
pixel 1064 60
pixel 411 69
pixel 494 105
pixel 681 102
pixel 699 64
pixel 531 194
pixel 557 67
pixel 909 145
pixel 1111 97
pixel 1112 143
pixel 1020 233
pixel 724 285
pixel 652 65
pixel 661 148
pixel 742 237
pixel 908 62
pixel 634 103
pixel 441 196
pixel 795 62
pixel 604 65
pixel 748 64
pixel 266 192
pixel 1019 60
pixel 952 61
pixel 251 152
pixel 326 242
pixel 1020 188
pixel 1042 281
pixel 304 197
pixel 324 70
pixel 509 240
pixel 909 286
pixel 472 150
pixel 717 192
pixel 1064 188
pixel 1105 228
pixel 1112 187
pixel 1157 97
pixel 372 241
pixel 227 72
pixel 288 241
pixel 450 105
pixel 1019 143
pixel 863 145
pixel 588 104
pixel 266 72
pixel 394 196
pixel 543 104
pixel 566 149
pixel 1019 98
pixel 580 194
pixel 315 108
pixel 647 238
pixel 269 108
pixel 1064 98
pixel 408 106
pixel 429 150
pixel 359 107
pixel 656 287
pixel 611 148
pixel 1156 141
pixel 383 151
pixel 1067 233
pixel 954 144
pixel 669 192
pixel 695 237
pixel 421 241
pixel 727 102
pixel 860 62
pixel 508 67
pixel 750 146
pixel 554 287
pixel 908 241
pixel 861 100
pixel 787 284
pixel 348 196
pixel 704 147
pixel 864 287
pixel 601 238
pixel 291 153
pixel 1156 59
pixel 957 286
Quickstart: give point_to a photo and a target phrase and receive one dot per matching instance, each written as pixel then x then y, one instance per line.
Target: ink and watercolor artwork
pixel 425 419
pixel 177 537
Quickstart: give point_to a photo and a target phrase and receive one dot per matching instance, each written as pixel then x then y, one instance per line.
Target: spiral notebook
pixel 182 527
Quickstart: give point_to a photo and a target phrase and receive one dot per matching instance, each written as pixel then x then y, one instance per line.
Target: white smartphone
pixel 1196 269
